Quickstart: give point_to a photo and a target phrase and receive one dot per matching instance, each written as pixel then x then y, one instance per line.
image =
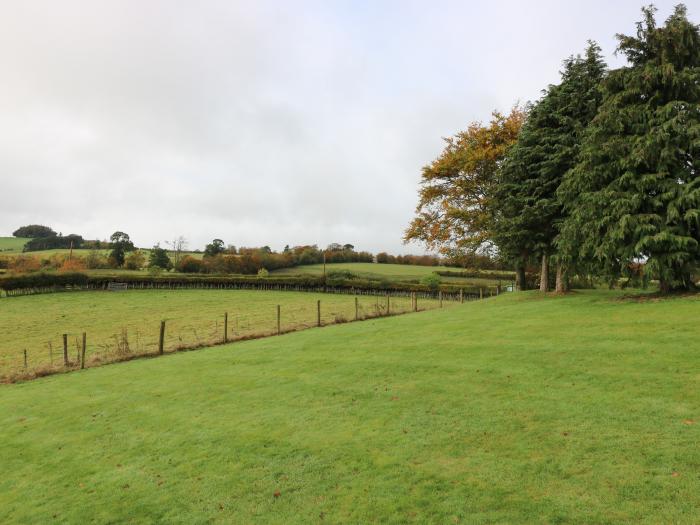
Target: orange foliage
pixel 73 265
pixel 24 263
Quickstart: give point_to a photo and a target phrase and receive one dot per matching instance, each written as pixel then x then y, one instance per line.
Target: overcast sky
pixel 288 122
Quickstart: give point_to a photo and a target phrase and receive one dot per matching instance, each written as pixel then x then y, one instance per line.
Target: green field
pixel 193 317
pixel 12 245
pixel 394 272
pixel 518 409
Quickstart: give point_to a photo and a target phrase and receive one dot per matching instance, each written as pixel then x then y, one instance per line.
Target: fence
pixel 89 346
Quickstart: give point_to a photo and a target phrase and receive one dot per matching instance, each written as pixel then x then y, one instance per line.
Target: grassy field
pixel 394 272
pixel 518 409
pixel 12 245
pixel 193 317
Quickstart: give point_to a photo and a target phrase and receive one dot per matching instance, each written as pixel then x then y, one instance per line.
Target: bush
pixel 262 272
pixel 95 259
pixel 189 264
pixel 432 281
pixel 24 263
pixel 135 260
pixel 72 265
pixel 159 258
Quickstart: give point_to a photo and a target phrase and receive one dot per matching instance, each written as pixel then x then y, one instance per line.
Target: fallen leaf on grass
pixel 277 494
pixel 688 422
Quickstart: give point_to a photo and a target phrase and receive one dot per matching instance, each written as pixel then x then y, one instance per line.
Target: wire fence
pixel 117 340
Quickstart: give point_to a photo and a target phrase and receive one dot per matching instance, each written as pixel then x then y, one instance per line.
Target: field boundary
pixel 81 361
pixel 450 292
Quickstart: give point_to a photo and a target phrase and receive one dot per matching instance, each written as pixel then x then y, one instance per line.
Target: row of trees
pixel 597 177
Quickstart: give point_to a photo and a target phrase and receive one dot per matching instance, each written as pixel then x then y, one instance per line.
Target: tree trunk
pixel 520 282
pixel 664 286
pixel 544 275
pixel 562 285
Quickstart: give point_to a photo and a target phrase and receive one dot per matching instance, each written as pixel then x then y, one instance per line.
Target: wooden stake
pixel 82 357
pixel 318 313
pixel 161 340
pixel 415 302
pixel 440 296
pixel 481 293
pixel 388 305
pixel 279 327
pixel 461 295
pixel 65 349
pixel 25 359
pixel 357 309
pixel 225 327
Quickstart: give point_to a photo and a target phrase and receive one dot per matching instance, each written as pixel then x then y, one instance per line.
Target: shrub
pixel 95 259
pixel 189 264
pixel 25 263
pixel 432 281
pixel 72 265
pixel 159 258
pixel 262 272
pixel 135 260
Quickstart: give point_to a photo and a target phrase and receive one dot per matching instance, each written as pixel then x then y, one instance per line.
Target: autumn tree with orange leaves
pixel 453 214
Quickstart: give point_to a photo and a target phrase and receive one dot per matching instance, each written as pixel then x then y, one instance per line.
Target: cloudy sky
pixel 287 122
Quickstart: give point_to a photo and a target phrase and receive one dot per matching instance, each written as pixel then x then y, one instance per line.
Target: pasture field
pixel 394 272
pixel 517 409
pixel 122 323
pixel 12 245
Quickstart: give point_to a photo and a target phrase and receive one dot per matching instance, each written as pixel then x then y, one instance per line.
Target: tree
pixel 34 231
pixel 635 195
pixel 528 208
pixel 121 244
pixel 178 245
pixel 453 212
pixel 348 247
pixel 158 258
pixel 214 248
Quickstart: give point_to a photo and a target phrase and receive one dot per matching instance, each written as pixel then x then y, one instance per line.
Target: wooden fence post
pixel 82 357
pixel 225 327
pixel 318 313
pixel 279 326
pixel 461 296
pixel 25 358
pixel 357 309
pixel 481 293
pixel 440 296
pixel 161 340
pixel 415 302
pixel 65 349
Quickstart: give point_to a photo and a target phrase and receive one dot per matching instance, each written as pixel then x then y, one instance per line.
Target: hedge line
pixel 477 274
pixel 62 280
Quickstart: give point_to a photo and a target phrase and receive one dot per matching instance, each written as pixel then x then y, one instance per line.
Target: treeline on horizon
pixel 218 258
pixel 599 178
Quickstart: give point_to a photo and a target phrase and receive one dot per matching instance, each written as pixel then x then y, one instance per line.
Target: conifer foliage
pixel 603 177
pixel 635 195
pixel 527 207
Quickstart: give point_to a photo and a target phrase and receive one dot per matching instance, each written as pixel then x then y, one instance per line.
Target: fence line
pixel 287 321
pixel 462 294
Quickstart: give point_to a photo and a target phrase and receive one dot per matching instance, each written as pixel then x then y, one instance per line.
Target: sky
pixel 259 122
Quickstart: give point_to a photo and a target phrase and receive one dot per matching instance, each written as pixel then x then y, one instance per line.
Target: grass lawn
pixel 193 317
pixel 397 272
pixel 518 409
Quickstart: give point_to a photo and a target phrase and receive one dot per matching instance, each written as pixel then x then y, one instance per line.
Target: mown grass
pixel 518 409
pixel 193 317
pixel 394 272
